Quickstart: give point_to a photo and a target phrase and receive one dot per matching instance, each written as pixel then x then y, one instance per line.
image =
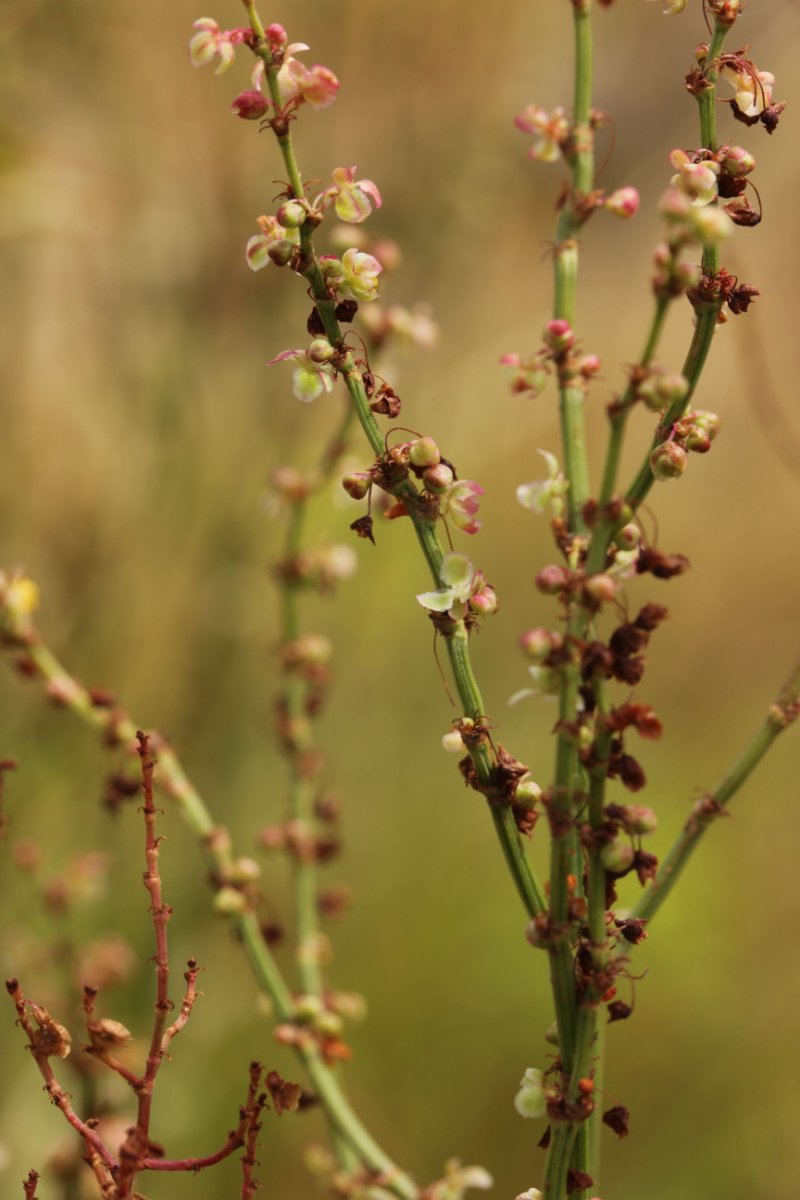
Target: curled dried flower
pixel 50 1039
pixel 107 1034
pixel 285 1095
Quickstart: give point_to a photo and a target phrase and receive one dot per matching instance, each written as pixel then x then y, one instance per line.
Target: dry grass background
pixel 139 426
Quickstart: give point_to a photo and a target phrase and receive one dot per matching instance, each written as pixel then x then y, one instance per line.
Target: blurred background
pixel 140 426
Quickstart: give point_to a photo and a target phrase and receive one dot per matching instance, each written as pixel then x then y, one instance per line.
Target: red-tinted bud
pixel 250 106
pixel 276 37
pixel 356 484
pixel 537 643
pixel 438 479
pixel 668 461
pixel 558 336
pixel 291 215
pixel 281 253
pixel 600 588
pixel 553 579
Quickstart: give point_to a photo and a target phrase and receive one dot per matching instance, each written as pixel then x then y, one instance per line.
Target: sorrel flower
pixel 310 379
pixel 353 199
pixel 530 375
pixel 273 244
pixel 550 131
pixel 316 86
pixel 354 276
pixel 753 88
pixel 624 202
pixel 540 494
pixel 697 180
pixel 211 42
pixel 463 585
pixel 461 505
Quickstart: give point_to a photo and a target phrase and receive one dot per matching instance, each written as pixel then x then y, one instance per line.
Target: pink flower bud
pixel 276 37
pixel 600 588
pixel 250 106
pixel 484 602
pixel 668 461
pixel 623 203
pixel 738 162
pixel 558 336
pixel 589 365
pixel 537 643
pixel 424 453
pixel 438 479
pixel 553 579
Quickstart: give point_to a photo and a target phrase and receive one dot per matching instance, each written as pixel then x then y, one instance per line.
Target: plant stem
pixel 619 418
pixel 564 856
pixel 706 314
pixel 457 640
pixel 780 715
pixel 117 729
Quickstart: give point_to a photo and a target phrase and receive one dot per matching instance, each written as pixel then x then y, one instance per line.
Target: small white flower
pixel 544 493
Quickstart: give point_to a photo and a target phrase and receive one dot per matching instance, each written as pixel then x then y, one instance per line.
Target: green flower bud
pixel 291 215
pixel 424 453
pixel 668 461
pixel 617 856
pixel 230 902
pixel 320 350
pixel 640 819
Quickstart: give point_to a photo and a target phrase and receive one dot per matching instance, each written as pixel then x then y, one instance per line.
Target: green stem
pixel 565 850
pixel 780 715
pixel 707 314
pixel 301 787
pixel 559 1156
pixel 619 417
pixel 425 529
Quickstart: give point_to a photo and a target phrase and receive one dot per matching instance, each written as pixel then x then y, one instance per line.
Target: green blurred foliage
pixel 140 424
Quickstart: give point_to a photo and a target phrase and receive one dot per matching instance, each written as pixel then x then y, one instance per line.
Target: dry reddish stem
pixel 133 1080
pixel 187 1004
pixel 161 914
pixel 29 1185
pixel 249 1161
pixel 97 1150
pixel 245 1132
